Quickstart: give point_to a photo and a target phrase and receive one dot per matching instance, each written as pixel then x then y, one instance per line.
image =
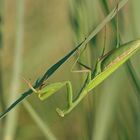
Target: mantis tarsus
pixel 105 66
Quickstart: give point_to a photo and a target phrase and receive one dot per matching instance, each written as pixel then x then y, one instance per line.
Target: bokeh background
pixel 36 34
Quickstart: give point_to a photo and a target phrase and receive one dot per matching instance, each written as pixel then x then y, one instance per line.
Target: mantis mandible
pixel 105 66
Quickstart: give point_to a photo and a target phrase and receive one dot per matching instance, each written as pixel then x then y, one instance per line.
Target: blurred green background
pixel 36 34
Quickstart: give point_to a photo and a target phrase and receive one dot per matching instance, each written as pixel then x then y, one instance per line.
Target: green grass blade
pixel 19 100
pixel 2 102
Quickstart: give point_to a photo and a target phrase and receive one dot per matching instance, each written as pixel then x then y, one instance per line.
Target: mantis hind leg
pixel 86 68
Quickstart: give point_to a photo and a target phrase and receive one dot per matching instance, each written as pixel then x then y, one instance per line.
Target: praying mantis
pixel 105 66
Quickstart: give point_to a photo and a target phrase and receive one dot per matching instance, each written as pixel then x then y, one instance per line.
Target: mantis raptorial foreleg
pixel 53 88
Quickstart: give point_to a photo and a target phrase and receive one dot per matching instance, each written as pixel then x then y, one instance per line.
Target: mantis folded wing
pixel 105 66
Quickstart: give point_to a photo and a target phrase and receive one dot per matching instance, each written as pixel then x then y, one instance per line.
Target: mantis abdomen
pixel 113 61
pixel 121 54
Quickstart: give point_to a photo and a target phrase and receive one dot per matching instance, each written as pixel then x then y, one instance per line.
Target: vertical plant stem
pixel 11 122
pixel 2 103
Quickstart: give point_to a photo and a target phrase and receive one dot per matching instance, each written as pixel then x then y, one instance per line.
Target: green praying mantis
pixel 105 66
